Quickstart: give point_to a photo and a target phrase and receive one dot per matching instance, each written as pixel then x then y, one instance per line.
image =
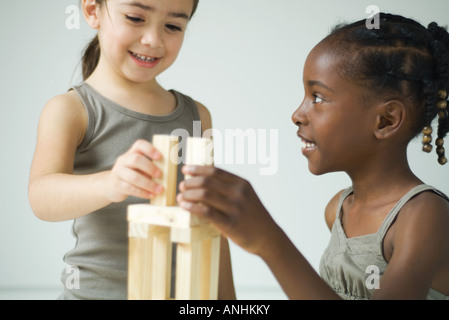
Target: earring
pixel 427 139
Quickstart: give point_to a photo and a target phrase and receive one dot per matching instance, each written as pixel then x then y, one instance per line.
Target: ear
pixel 390 118
pixel 91 11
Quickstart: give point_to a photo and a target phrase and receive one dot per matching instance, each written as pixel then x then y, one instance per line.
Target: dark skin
pixel 416 247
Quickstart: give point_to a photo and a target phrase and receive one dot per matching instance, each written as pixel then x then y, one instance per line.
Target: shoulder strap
pixel 397 208
pixel 343 197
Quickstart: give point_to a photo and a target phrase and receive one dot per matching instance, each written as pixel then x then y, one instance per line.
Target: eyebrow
pixel 137 4
pixel 311 83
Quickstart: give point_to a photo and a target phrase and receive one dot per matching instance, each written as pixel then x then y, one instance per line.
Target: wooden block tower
pixel 153 228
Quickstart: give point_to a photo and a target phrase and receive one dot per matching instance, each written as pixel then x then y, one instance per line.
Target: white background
pixel 243 59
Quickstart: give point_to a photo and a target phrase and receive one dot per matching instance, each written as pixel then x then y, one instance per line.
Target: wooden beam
pixel 168 147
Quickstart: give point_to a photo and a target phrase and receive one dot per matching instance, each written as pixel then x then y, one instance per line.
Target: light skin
pixel 345 129
pixel 150 28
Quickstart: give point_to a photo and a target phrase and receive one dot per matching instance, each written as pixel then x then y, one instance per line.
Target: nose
pixel 299 117
pixel 152 37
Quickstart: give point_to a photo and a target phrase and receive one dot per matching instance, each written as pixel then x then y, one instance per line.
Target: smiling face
pixel 139 39
pixel 335 121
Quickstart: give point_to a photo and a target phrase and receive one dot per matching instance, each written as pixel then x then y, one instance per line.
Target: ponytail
pixel 91 57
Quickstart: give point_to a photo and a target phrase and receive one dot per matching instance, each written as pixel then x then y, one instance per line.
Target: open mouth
pixel 143 58
pixel 308 145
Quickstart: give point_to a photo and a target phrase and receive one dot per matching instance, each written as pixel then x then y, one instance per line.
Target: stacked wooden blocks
pixel 153 228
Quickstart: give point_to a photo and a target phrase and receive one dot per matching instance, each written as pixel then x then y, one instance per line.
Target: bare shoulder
pixel 66 103
pixel 428 209
pixel 331 209
pixel 66 110
pixel 425 220
pixel 205 116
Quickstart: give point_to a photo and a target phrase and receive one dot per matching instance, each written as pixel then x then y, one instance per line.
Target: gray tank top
pixel 100 255
pixel 346 263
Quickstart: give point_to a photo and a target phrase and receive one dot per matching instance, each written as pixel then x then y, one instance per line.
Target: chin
pixel 317 170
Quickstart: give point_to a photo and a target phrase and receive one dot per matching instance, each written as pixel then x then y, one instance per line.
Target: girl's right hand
pixel 133 173
pixel 231 204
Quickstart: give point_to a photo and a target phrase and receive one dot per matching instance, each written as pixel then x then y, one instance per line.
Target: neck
pixel 107 79
pixel 144 97
pixel 385 177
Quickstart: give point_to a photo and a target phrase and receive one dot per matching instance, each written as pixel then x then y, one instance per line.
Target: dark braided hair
pixel 402 60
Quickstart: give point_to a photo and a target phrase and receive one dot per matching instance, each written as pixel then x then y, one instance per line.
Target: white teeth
pixel 143 58
pixel 308 145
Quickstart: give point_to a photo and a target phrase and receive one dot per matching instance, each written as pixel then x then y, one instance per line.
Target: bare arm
pixel 231 204
pixel 420 258
pixel 55 193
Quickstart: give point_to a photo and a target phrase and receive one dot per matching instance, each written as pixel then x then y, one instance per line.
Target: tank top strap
pixel 344 195
pixel 390 218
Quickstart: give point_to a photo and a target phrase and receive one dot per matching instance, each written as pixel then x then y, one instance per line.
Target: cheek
pixel 174 44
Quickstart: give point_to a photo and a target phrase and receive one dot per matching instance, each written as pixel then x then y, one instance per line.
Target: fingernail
pixel 187 169
pixel 185 205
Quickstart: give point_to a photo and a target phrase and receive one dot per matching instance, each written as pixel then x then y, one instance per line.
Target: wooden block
pixel 136 267
pixel 188 271
pixel 210 265
pixel 161 264
pixel 149 263
pixel 168 147
pixel 199 151
pixel 154 227
pixel 193 234
pixel 162 216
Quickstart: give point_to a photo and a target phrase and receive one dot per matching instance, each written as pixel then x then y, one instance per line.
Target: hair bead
pixel 439 142
pixel 442 94
pixel 427 148
pixel 442 104
pixel 427 139
pixel 427 130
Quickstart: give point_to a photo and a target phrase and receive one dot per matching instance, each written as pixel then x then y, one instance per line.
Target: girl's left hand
pixel 231 204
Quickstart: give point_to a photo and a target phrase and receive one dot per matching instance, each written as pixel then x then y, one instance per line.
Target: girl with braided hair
pixel 368 93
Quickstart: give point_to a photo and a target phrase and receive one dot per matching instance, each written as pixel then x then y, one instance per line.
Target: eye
pixel 172 27
pixel 134 19
pixel 317 99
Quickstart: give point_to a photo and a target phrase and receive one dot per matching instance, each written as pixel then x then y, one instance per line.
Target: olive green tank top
pixel 349 264
pixel 97 265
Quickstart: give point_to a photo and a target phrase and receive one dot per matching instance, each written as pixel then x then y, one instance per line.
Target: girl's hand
pixel 133 173
pixel 231 204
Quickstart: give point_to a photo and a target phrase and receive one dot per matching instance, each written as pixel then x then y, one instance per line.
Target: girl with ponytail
pixel 94 155
pixel 368 93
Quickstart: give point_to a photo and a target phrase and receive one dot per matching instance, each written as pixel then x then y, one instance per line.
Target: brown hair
pixel 91 54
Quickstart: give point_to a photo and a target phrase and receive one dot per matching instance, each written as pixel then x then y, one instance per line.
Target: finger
pixel 207 213
pixel 139 181
pixel 212 184
pixel 128 189
pixel 140 162
pixel 225 176
pixel 208 198
pixel 146 148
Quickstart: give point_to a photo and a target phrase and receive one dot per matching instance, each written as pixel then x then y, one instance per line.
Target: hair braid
pixel 402 59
